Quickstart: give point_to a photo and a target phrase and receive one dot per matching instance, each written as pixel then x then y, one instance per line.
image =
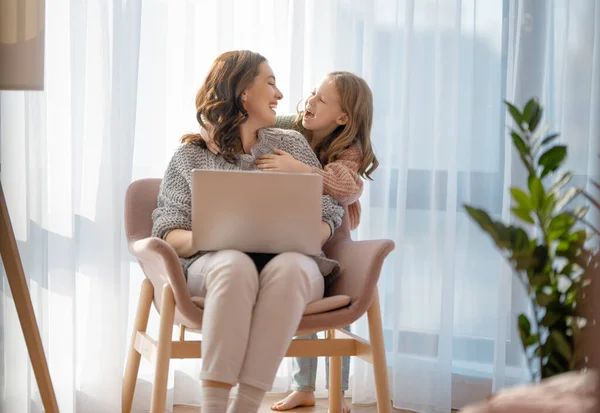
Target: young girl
pixel 336 121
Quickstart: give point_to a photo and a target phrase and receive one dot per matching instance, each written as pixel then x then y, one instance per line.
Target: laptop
pixel 256 212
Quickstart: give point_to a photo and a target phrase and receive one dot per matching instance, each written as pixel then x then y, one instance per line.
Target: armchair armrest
pixel 161 265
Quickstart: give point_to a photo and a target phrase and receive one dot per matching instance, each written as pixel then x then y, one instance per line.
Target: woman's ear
pixel 342 119
pixel 244 97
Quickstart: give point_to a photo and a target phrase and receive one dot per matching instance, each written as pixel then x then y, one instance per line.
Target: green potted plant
pixel 546 247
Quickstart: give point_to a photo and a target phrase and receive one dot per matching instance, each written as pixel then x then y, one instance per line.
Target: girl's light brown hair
pixel 219 100
pixel 356 101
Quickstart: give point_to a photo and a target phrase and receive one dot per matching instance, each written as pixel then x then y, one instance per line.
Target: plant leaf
pixel 520 144
pixel 561 182
pixel 567 197
pixel 523 261
pixel 560 225
pixel 578 238
pixel 524 329
pixel 540 254
pixel 571 297
pixel 539 280
pixel 550 138
pixel 523 214
pixel 562 246
pixel 516 114
pixel 536 188
pixel 548 204
pixel 544 300
pixel 521 198
pixel 519 239
pixel 557 364
pixel 552 159
pixel 530 341
pixel 567 269
pixel 580 212
pixel 503 235
pixel 561 345
pixel 532 113
pixel 494 229
pixel 524 324
pixel 538 134
pixel 550 318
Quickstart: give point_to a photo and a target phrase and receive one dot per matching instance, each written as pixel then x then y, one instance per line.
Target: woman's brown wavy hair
pixel 356 101
pixel 219 100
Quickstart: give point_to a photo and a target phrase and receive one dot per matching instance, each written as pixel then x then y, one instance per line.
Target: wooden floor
pixel 321 407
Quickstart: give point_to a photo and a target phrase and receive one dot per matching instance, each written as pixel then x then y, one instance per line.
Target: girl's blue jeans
pixel 305 370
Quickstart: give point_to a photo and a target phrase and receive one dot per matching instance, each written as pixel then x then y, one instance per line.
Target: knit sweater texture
pixel 174 208
pixel 340 178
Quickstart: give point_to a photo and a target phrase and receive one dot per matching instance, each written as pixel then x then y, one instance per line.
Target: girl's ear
pixel 244 97
pixel 342 119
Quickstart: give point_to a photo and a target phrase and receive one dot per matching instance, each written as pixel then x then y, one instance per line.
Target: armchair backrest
pixel 140 202
pixel 341 234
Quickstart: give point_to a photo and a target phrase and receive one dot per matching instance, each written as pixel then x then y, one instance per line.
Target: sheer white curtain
pixel 450 303
pixel 121 80
pixel 66 156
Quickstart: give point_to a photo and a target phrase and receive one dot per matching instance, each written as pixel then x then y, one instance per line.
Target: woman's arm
pixel 340 177
pixel 172 218
pixel 181 241
pixel 332 214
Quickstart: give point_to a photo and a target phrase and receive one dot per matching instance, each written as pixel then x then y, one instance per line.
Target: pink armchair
pixel 346 299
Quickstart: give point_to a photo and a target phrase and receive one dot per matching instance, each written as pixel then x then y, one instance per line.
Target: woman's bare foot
pixel 295 399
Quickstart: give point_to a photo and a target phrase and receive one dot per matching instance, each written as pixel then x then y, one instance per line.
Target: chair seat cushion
pixel 316 307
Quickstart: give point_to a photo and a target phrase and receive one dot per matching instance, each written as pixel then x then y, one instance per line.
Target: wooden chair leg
pixel 19 289
pixel 335 380
pixel 163 353
pixel 384 404
pixel 133 359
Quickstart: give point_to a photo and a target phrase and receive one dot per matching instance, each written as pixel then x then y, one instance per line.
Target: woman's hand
pixel 325 230
pixel 207 136
pixel 281 161
pixel 181 241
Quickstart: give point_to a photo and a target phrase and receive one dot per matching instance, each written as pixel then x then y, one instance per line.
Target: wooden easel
pixel 20 292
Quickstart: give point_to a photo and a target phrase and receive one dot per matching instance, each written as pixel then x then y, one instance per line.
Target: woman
pixel 254 302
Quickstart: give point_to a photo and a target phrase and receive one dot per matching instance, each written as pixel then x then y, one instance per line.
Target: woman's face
pixel 322 109
pixel 260 99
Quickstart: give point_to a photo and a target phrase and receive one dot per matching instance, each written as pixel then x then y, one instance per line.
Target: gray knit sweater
pixel 175 200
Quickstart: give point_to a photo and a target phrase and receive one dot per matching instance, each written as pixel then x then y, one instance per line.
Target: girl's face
pixel 260 99
pixel 322 109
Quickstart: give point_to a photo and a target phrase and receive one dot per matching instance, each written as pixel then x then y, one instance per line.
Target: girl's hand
pixel 281 161
pixel 208 138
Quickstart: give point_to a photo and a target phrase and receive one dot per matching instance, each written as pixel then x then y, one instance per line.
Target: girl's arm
pixel 298 148
pixel 340 178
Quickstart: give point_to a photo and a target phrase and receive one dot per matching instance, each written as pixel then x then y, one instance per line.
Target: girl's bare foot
pixel 345 407
pixel 295 399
